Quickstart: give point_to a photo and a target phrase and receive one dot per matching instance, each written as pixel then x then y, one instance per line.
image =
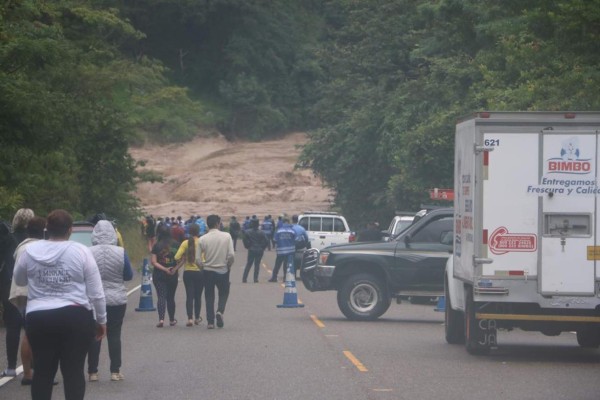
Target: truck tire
pixel 454 322
pixel 476 342
pixel 589 337
pixel 363 297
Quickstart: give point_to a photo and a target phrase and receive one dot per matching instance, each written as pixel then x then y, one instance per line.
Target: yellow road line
pixel 355 361
pixel 317 321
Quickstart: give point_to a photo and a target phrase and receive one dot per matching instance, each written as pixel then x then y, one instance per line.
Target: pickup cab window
pixel 434 232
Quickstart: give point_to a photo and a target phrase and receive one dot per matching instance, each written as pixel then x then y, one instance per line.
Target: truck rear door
pixel 510 216
pixel 569 208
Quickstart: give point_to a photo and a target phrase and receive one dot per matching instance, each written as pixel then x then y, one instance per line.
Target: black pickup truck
pixel 367 276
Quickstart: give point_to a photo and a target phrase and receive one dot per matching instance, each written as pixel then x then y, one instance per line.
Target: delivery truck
pixel 526 248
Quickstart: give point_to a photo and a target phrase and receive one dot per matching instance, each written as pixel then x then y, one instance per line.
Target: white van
pixel 325 228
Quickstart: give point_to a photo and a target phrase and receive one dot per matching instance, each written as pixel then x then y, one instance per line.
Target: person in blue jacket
pixel 267 228
pixel 286 248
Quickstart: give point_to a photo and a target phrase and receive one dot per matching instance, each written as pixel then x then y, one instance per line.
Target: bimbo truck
pixel 526 250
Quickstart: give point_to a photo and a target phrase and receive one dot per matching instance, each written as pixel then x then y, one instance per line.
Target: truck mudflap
pixel 315 277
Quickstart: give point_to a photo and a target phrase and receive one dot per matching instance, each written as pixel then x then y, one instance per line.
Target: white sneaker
pixel 93 378
pixel 117 376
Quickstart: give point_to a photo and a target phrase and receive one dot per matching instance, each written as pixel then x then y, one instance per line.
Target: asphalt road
pixel 265 352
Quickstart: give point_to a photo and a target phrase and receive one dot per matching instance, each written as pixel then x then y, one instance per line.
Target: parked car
pixel 367 276
pixel 398 224
pixel 326 228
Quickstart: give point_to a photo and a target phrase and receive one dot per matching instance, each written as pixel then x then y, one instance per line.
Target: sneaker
pixel 8 372
pixel 117 376
pixel 210 326
pixel 197 321
pixel 272 280
pixel 190 323
pixel 93 378
pixel 219 319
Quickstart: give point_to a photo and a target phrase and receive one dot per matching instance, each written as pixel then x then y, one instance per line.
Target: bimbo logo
pixel 569 161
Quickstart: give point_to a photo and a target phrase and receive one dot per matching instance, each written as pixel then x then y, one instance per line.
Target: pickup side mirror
pixel 407 240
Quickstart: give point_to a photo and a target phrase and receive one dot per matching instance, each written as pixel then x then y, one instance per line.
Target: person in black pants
pixel 164 275
pixel 64 286
pixel 256 242
pixel 216 256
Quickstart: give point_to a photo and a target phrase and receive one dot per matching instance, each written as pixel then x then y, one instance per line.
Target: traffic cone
pixel 146 290
pixel 441 304
pixel 290 294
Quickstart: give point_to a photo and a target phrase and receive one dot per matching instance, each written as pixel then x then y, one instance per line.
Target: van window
pixel 303 223
pixel 327 224
pixel 339 225
pixel 314 224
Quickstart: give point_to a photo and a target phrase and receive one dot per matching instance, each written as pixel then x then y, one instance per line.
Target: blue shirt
pixel 267 226
pixel 300 231
pixel 286 240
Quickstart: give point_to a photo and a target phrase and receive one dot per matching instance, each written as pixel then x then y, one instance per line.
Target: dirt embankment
pixel 212 175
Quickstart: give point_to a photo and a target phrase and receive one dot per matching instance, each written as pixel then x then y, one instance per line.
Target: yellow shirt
pixel 182 251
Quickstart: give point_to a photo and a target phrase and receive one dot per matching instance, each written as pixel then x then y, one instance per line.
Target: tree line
pixel 378 84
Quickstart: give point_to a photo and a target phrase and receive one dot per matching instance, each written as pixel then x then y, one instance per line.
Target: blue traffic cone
pixel 441 304
pixel 290 294
pixel 146 290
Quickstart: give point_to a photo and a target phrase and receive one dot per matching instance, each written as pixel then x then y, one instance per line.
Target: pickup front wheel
pixel 363 297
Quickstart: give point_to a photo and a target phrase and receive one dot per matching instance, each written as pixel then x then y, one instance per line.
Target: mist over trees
pixel 378 85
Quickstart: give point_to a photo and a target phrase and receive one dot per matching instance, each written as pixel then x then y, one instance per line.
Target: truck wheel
pixel 454 322
pixel 363 297
pixel 589 337
pixel 476 339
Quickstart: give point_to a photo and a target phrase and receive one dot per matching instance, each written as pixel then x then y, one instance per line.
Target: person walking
pixel 164 275
pixel 13 319
pixel 256 242
pixel 115 268
pixel 216 256
pixel 234 230
pixel 286 247
pixel 18 295
pixel 192 275
pixel 64 287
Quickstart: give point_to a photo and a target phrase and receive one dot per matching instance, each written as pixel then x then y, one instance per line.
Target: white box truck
pixel 526 214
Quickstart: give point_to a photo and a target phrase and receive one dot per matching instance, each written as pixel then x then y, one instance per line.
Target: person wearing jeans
pixel 115 268
pixel 216 256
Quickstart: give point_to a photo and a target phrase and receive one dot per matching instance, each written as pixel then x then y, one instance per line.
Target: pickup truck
pixel 368 275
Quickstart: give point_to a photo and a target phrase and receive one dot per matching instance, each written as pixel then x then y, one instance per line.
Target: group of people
pixel 206 257
pixel 206 260
pixel 288 238
pixel 66 295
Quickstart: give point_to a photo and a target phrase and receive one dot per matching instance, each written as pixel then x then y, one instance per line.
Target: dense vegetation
pixel 379 84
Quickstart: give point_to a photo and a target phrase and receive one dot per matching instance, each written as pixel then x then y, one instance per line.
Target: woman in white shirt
pixel 64 284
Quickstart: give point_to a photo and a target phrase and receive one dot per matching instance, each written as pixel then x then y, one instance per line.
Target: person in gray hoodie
pixel 115 268
pixel 64 287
